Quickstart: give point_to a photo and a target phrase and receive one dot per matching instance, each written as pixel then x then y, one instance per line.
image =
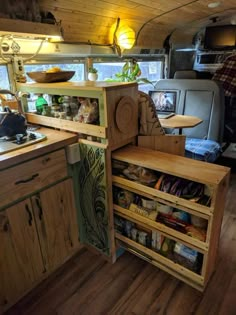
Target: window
pixel 78 76
pixel 4 79
pixel 107 70
pixel 77 67
pixel 151 70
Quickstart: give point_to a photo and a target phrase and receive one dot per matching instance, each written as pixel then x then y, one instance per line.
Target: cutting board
pixel 8 146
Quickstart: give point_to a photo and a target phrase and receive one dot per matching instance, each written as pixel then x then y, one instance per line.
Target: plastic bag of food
pixel 140 174
pixel 88 111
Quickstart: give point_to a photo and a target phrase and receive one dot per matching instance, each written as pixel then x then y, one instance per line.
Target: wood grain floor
pixel 88 285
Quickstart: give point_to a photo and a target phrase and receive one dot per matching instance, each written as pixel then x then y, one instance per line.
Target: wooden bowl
pixel 49 77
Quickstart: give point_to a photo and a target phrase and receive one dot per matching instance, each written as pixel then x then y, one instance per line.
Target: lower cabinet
pixel 21 262
pixel 56 221
pixel 36 235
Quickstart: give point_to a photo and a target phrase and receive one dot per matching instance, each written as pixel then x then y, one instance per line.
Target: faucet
pixel 20 109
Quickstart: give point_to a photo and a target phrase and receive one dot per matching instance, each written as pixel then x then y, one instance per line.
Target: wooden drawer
pixel 26 178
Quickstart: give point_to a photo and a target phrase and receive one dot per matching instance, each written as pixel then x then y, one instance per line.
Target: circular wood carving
pixel 125 114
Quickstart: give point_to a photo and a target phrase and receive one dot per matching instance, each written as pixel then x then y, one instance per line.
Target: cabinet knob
pixel 46 160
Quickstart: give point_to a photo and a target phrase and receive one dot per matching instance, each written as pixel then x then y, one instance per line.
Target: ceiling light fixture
pixel 123 37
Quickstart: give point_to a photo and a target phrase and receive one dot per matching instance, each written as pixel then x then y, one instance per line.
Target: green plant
pixel 92 70
pixel 130 72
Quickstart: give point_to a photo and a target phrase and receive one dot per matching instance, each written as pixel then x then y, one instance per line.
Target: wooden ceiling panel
pixel 152 20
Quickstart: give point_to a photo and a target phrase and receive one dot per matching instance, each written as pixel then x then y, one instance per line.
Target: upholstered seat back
pixel 185 74
pixel 201 98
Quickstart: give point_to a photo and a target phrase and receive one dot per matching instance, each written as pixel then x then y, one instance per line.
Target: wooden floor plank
pixel 229 304
pixel 88 285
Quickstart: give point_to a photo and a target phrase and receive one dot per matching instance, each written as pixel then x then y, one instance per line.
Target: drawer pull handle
pixel 23 181
pixel 29 213
pixel 39 208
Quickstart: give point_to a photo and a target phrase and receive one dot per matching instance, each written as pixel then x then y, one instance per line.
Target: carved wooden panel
pixel 93 198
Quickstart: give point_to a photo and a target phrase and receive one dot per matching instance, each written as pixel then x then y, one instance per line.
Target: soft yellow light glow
pixel 125 37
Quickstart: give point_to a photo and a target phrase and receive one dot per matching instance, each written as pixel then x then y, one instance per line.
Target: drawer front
pixel 24 179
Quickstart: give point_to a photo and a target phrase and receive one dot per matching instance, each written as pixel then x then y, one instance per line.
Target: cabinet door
pixel 55 214
pixel 94 192
pixel 20 256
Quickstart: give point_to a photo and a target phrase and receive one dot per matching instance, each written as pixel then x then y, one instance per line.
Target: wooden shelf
pixel 205 173
pixel 162 196
pixel 29 29
pixel 215 179
pixel 187 240
pixel 74 126
pixel 117 107
pixel 164 263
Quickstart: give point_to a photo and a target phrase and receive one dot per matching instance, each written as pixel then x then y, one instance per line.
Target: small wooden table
pixel 180 121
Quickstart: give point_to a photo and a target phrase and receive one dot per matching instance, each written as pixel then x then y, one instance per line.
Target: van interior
pixel 128 61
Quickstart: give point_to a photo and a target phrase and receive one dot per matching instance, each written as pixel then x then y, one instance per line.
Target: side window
pixel 4 79
pixel 78 76
pixel 77 67
pixel 151 70
pixel 107 70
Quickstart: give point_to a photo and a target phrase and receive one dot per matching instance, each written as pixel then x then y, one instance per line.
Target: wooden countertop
pixel 55 139
pixel 180 121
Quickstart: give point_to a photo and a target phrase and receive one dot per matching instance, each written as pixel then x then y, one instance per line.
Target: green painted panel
pixel 93 212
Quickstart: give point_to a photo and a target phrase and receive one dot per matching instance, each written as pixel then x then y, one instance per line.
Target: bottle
pixel 40 104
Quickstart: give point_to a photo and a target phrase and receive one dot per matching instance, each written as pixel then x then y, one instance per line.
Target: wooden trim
pixel 174 144
pixel 92 130
pixel 110 214
pixel 221 194
pixel 89 142
pixel 153 256
pixel 162 267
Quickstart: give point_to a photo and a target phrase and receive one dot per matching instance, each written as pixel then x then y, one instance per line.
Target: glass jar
pixel 40 102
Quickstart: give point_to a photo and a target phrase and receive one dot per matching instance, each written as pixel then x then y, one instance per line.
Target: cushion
pixel 201 149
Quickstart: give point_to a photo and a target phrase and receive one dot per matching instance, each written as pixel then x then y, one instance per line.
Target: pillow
pixel 201 149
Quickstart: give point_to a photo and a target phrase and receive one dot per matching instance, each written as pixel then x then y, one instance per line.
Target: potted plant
pixel 92 74
pixel 130 72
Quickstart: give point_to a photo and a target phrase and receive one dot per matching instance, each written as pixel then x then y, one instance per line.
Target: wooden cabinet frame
pixel 215 179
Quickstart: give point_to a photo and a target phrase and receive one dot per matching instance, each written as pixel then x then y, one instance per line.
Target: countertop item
pixel 55 140
pixel 20 141
pixel 48 77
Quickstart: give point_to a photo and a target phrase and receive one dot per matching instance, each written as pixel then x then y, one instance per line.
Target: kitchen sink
pixel 19 141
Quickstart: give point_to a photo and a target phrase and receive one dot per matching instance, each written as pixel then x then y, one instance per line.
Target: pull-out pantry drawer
pixel 21 180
